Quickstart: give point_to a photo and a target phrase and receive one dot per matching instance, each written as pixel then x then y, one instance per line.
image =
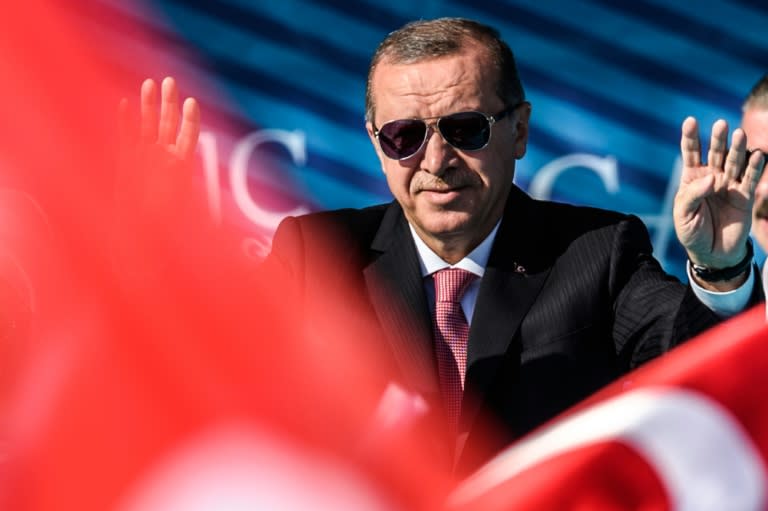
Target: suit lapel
pixel 513 279
pixel 514 276
pixel 396 290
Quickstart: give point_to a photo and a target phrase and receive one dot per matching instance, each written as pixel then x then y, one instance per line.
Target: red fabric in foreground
pixel 700 407
pixel 122 363
pixel 147 341
pixel 592 477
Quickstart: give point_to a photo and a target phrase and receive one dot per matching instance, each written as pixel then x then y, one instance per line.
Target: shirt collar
pixel 475 262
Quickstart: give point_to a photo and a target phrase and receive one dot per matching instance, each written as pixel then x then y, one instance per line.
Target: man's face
pixel 755 126
pixel 453 198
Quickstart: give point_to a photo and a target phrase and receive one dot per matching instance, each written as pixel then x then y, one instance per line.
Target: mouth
pixel 442 195
pixel 442 189
pixel 443 186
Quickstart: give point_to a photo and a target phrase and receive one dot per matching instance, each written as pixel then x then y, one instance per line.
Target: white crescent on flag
pixel 700 452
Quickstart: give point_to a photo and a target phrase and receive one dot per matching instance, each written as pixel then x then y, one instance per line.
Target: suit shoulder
pixel 347 221
pixel 559 228
pixel 340 228
pixel 578 214
pixel 351 217
pixel 575 220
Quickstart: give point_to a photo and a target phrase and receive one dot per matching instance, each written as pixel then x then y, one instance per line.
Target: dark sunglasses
pixel 467 131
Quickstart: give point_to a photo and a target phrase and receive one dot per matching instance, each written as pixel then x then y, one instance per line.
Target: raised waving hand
pixel 713 205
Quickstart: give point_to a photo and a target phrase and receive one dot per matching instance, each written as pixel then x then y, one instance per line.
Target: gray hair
pixel 427 39
pixel 758 96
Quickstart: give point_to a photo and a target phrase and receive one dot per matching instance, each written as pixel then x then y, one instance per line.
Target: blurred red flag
pixel 145 365
pixel 687 431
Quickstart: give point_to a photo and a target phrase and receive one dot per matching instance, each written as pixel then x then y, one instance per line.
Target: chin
pixel 447 223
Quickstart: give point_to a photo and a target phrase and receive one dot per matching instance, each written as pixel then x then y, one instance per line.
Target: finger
pixel 169 111
pixel 127 128
pixel 735 161
pixel 149 110
pixel 718 145
pixel 125 137
pixel 124 125
pixel 753 176
pixel 690 145
pixel 128 131
pixel 190 129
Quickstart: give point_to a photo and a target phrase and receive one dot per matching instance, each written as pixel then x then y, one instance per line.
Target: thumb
pixel 126 130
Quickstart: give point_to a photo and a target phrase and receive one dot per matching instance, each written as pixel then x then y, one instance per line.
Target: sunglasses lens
pixel 466 130
pixel 401 139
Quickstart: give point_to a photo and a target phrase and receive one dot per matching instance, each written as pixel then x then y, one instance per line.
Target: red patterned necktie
pixel 451 332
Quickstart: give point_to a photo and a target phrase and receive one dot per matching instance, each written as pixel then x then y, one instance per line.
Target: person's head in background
pixel 754 122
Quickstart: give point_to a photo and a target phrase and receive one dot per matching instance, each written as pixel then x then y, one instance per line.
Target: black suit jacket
pixel 571 299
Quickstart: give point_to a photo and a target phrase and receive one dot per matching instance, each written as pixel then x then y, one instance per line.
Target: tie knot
pixel 451 283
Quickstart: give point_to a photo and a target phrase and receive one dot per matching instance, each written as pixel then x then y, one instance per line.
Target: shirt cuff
pixel 727 303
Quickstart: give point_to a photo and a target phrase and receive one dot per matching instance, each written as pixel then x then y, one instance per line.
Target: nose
pixel 437 153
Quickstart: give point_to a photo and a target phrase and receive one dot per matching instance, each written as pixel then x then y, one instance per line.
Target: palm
pixel 713 205
pixel 155 160
pixel 154 177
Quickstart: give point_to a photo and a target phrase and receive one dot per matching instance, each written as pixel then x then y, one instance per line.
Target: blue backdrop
pixel 282 86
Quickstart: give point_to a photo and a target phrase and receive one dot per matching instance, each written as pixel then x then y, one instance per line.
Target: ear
pixel 375 142
pixel 521 118
pixel 371 135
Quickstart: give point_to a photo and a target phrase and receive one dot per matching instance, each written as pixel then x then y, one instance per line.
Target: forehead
pixel 755 125
pixel 435 86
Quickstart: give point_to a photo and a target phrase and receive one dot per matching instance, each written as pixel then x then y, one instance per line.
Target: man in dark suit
pixel 557 300
pixel 568 298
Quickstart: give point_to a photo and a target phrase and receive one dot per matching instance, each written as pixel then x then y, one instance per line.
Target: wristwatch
pixel 719 275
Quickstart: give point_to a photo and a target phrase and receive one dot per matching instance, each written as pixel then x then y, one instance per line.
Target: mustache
pixel 451 179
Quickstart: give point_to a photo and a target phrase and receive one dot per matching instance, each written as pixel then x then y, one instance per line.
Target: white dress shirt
pixel 475 262
pixel 726 303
